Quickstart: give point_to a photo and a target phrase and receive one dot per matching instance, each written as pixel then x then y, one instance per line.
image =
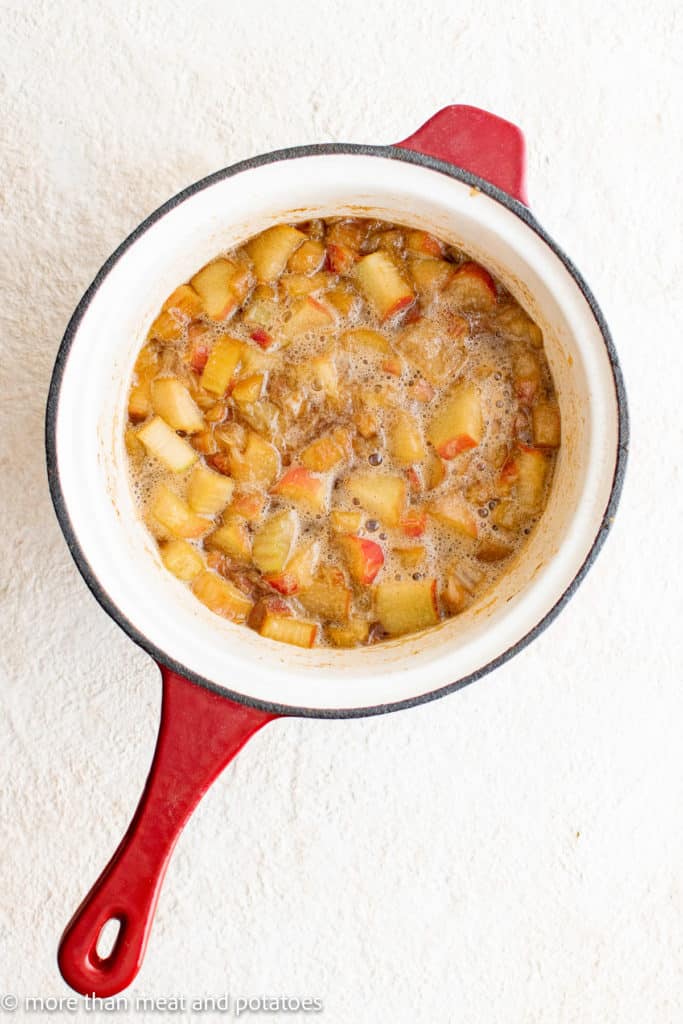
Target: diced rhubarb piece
pixel 262 338
pixel 364 557
pixel 164 444
pixel 271 250
pixel 254 360
pixel 232 538
pixel 345 522
pixel 453 511
pixel 308 314
pixel 545 417
pixel 327 600
pixel 221 596
pixel 181 559
pixel 422 391
pixel 340 258
pixel 415 482
pixel 436 349
pixel 406 607
pixel 532 466
pixel 382 495
pixel 258 464
pixel 493 550
pixel 383 284
pixel 205 442
pixel 405 441
pixel 363 340
pixel 508 475
pixel 221 286
pixel 168 326
pixel 307 258
pixel 208 493
pixel 249 390
pixel 324 371
pixel 249 505
pixel 146 368
pixel 262 310
pixel 412 557
pixel 172 401
pixel 343 299
pixel 458 423
pixel 139 402
pixel 274 541
pixel 327 452
pixel 134 445
pixel 434 471
pixel 303 564
pixel 303 488
pixel 288 630
pixel 186 301
pixel 298 286
pixel 414 522
pixel 527 376
pixel 423 243
pixel 512 320
pixel 216 413
pixel 472 288
pixel 350 231
pixel 366 423
pixel 455 596
pixel 283 582
pixel 507 514
pixel 175 516
pixel 391 240
pixel 198 336
pixel 221 366
pixel 355 632
pixel 430 276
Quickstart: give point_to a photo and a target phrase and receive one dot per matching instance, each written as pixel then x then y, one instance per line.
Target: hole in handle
pixel 107 940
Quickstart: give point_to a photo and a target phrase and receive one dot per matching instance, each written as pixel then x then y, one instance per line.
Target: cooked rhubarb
pixel 176 516
pixel 221 286
pixel 458 423
pixel 383 284
pixel 274 541
pixel 406 607
pixel 288 630
pixel 221 596
pixel 271 250
pixel 221 364
pixel 362 451
pixel 303 488
pixel 172 401
pixel 181 559
pixel 364 558
pixel 232 538
pixel 207 492
pixel 164 444
pixel 380 494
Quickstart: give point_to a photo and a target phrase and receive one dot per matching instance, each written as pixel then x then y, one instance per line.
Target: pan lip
pixel 93 582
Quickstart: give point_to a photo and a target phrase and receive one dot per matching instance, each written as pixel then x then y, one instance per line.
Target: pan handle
pixel 199 733
pixel 477 141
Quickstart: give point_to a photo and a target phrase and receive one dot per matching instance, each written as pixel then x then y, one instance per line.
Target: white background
pixel 513 853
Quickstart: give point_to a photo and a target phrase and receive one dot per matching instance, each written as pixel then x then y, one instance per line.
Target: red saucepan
pixel 461 177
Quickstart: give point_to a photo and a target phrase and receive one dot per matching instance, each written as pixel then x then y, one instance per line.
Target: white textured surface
pixel 512 853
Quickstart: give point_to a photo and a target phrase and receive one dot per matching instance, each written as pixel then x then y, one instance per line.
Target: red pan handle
pixel 477 141
pixel 199 733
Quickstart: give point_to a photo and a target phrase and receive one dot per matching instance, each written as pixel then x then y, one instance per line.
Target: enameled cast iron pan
pixel 461 177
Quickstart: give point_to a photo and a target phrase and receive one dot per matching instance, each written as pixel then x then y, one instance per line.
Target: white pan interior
pixel 91 416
